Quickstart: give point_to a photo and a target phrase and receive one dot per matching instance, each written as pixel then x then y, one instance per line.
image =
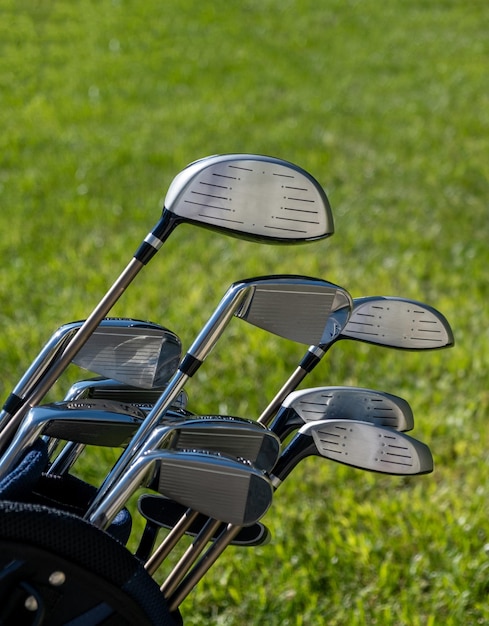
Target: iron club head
pixel 222 488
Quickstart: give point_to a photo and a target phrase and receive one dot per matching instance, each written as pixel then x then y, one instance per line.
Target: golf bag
pixel 56 568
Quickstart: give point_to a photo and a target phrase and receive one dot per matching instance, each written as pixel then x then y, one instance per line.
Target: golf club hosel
pixel 157 237
pixel 285 422
pixel 299 448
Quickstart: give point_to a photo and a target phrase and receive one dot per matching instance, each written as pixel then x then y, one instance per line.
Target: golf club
pixel 111 389
pixel 302 309
pixel 379 320
pixel 320 403
pixel 254 197
pixel 217 486
pixel 359 444
pixel 108 389
pixel 135 352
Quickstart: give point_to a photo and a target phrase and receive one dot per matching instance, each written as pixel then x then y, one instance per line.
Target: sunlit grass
pixel 386 104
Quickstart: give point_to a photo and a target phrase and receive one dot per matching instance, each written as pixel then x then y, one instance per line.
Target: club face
pixel 306 310
pixel 398 323
pixel 356 403
pixel 136 353
pixel 253 197
pixel 110 389
pixel 235 437
pixel 370 447
pixel 221 488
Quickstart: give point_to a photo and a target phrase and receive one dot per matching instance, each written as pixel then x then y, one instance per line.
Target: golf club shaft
pixel 170 541
pixel 190 364
pixel 207 560
pixel 189 557
pixel 311 358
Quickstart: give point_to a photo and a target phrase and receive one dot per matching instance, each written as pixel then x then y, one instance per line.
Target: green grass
pixel 386 104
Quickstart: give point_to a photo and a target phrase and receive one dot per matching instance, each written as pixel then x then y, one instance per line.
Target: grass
pixel 386 104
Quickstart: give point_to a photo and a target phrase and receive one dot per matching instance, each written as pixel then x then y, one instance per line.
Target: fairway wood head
pixel 299 308
pixel 366 446
pixel 312 405
pixel 358 444
pixel 398 323
pixel 253 197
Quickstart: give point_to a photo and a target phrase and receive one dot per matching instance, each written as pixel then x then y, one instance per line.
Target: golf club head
pixel 358 444
pixel 235 437
pixel 132 351
pixel 356 403
pixel 252 197
pixel 302 309
pixel 165 513
pixel 91 422
pixel 136 353
pixel 110 389
pixel 221 488
pixel 398 323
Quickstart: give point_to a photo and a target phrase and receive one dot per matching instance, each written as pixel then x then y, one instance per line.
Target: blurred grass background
pixel 103 102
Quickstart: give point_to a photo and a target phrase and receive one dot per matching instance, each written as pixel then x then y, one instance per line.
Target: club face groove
pixel 366 446
pixel 305 310
pixel 377 407
pixel 252 196
pixel 398 323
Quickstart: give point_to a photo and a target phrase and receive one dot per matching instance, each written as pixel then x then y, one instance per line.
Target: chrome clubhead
pixel 356 403
pixel 221 488
pixel 132 352
pixel 359 444
pixel 253 196
pixel 110 389
pixel 398 323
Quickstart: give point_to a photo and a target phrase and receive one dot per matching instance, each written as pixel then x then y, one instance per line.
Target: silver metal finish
pixel 310 405
pixel 136 352
pixel 398 323
pixel 232 436
pixel 251 194
pixel 239 300
pixel 301 309
pixel 142 356
pixel 110 389
pixel 391 322
pixel 88 421
pixel 219 487
pixel 359 444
